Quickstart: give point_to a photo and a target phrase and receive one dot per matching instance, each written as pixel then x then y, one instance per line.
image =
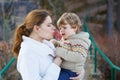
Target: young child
pixel 73 47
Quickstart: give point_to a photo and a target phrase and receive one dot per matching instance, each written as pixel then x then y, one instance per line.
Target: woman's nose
pixel 54 27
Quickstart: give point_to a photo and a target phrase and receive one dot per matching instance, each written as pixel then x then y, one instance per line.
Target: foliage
pixel 5 56
pixel 111 48
pixel 56 7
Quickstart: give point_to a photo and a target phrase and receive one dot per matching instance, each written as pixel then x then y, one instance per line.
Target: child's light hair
pixel 70 18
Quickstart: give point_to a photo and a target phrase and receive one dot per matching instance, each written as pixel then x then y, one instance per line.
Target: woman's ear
pixel 36 28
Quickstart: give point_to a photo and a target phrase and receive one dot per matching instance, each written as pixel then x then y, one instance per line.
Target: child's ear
pixel 76 29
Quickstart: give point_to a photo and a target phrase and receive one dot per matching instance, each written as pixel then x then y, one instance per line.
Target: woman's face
pixel 46 30
pixel 66 31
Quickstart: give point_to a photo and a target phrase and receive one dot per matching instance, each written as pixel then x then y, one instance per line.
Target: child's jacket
pixel 74 51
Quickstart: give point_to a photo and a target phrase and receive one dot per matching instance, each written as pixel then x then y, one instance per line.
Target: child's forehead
pixel 63 25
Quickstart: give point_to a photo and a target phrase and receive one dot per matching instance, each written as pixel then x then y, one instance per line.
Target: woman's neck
pixel 36 37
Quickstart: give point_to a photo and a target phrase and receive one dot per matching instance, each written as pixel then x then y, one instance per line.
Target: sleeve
pixel 69 55
pixel 29 68
pixel 52 73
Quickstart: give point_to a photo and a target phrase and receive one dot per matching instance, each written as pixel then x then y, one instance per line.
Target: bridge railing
pixel 99 51
pixel 7 67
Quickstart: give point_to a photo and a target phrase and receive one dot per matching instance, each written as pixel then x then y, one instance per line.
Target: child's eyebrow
pixel 50 23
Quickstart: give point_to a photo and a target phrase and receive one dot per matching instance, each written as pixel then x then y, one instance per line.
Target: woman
pixel 36 58
pixel 35 55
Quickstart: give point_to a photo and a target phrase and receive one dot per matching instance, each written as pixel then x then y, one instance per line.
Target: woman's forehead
pixel 48 20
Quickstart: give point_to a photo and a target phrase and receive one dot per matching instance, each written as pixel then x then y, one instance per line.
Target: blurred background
pixel 102 18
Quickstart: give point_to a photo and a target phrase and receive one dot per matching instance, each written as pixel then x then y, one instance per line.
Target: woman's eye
pixel 59 28
pixel 49 25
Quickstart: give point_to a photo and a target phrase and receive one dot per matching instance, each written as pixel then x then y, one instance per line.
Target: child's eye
pixel 64 28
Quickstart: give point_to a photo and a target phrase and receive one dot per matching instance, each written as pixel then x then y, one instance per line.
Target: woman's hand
pixel 75 78
pixel 53 41
pixel 79 77
pixel 57 61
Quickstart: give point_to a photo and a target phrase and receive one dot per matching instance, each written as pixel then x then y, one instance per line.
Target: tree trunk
pixel 118 16
pixel 109 17
pixel 1 33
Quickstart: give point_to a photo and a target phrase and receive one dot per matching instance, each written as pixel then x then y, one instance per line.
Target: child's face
pixel 66 31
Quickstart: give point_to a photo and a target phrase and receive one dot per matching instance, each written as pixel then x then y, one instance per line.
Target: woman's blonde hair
pixel 70 18
pixel 35 17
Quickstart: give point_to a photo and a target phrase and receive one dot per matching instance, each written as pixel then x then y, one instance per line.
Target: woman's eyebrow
pixel 51 23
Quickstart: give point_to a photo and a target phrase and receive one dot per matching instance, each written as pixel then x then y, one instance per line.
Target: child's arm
pixel 76 54
pixel 69 55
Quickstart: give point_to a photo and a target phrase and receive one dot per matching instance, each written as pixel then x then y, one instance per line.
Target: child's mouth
pixel 63 34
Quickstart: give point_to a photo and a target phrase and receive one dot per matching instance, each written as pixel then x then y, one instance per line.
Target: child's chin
pixel 64 38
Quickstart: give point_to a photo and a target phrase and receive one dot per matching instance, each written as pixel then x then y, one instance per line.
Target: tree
pixel 57 7
pixel 109 18
pixel 118 16
pixel 5 17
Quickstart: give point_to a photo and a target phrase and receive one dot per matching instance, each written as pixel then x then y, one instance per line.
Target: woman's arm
pixel 80 75
pixel 29 68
